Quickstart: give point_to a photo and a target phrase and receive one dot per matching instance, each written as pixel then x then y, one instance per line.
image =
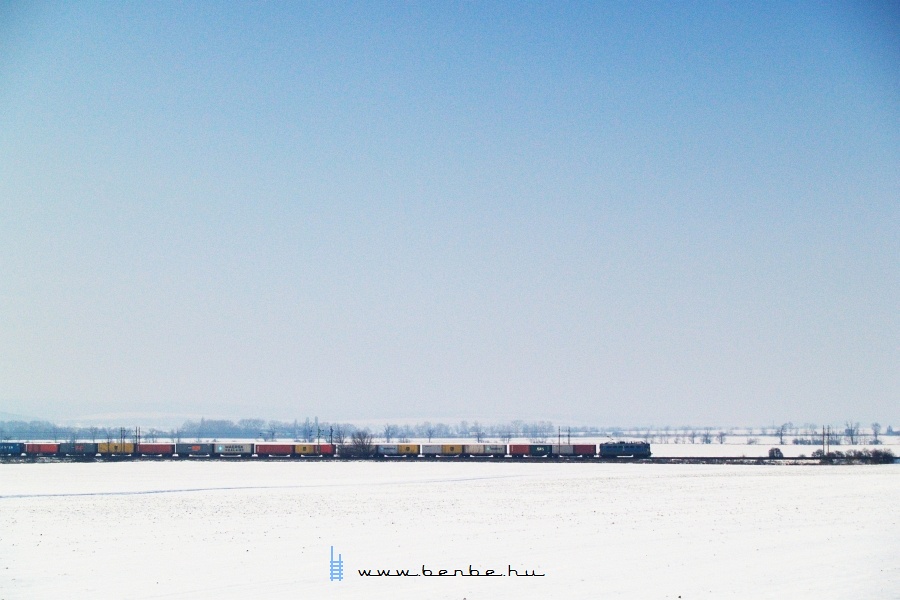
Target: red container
pixel 326 449
pixel 34 449
pixel 274 449
pixel 519 449
pixel 584 450
pixel 152 449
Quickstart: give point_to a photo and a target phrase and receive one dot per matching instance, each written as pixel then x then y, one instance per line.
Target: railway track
pixel 669 460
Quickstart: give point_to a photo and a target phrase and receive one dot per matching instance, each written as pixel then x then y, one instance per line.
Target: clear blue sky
pixel 600 212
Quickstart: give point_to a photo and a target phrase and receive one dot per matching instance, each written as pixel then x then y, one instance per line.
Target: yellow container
pixel 450 449
pixel 410 449
pixel 115 448
pixel 305 449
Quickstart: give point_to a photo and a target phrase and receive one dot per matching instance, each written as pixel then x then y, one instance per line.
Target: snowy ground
pixel 264 530
pixel 754 450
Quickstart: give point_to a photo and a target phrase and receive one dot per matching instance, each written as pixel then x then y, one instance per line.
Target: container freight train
pixel 210 450
pixel 266 450
pixel 607 450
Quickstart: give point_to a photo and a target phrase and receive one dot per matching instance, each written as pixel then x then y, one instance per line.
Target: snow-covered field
pixel 264 530
pixel 754 450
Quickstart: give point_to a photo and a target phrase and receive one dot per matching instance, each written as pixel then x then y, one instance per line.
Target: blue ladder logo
pixel 336 567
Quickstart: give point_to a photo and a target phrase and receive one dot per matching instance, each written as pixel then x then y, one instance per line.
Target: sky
pixel 628 213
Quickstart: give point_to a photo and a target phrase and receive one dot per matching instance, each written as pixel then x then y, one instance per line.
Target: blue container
pixel 539 449
pixel 197 449
pixel 11 449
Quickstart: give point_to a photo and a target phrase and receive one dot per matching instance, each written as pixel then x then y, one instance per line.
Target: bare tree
pixel 720 437
pixel 429 430
pixel 478 431
pixel 783 430
pixel 876 429
pixel 706 438
pixel 389 431
pixel 851 430
pixel 361 444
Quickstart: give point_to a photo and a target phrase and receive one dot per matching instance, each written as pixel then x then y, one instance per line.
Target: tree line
pixel 312 430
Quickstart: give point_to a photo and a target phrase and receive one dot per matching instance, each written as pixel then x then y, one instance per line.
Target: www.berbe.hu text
pixel 470 572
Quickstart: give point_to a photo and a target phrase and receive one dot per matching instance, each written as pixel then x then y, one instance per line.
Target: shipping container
pixel 539 449
pixel 232 449
pixel 326 449
pixel 41 449
pixel 451 449
pixel 306 449
pixel 110 448
pixel 264 450
pixel 184 450
pixel 585 450
pixel 495 449
pixel 387 450
pixel 519 449
pixel 11 449
pixel 473 449
pixel 156 449
pixel 431 449
pixel 562 450
pixel 79 449
pixel 408 449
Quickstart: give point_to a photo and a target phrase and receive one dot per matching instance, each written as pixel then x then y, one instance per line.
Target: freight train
pixel 286 450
